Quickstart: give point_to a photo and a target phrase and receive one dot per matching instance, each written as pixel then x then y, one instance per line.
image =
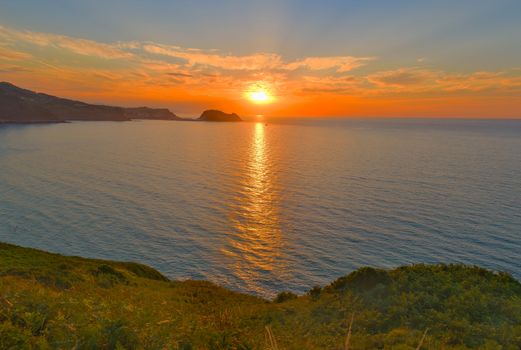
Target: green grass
pixel 49 301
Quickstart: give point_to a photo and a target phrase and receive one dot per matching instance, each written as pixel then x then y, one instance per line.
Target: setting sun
pixel 259 94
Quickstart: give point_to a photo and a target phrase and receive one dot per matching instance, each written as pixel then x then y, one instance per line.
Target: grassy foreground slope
pixel 49 301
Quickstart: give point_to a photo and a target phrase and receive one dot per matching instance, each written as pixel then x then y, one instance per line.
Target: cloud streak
pixel 415 79
pixel 341 64
pixel 75 45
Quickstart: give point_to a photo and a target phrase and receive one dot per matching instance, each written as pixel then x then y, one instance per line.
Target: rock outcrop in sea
pixel 213 115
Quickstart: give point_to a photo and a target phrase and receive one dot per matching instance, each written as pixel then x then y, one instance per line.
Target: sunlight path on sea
pixel 256 244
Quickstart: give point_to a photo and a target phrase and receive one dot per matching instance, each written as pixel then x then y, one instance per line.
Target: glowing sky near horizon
pixel 329 58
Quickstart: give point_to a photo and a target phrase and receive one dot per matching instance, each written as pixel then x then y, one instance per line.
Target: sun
pixel 259 94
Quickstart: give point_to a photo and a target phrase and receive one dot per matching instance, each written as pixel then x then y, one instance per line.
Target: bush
pixel 363 279
pixel 314 292
pixel 108 277
pixel 285 296
pixel 144 271
pixel 113 335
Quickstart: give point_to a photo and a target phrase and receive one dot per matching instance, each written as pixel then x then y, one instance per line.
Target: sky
pixel 308 58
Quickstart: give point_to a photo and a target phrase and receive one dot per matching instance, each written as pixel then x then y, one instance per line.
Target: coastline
pixel 29 122
pixel 22 106
pixel 33 122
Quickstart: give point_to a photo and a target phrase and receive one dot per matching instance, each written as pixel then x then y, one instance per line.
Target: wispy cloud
pixel 414 79
pixel 9 54
pixel 341 64
pixel 76 45
pixel 13 69
pixel 403 77
pixel 481 81
pixel 195 57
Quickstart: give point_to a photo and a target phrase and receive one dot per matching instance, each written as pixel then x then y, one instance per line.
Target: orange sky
pixel 189 80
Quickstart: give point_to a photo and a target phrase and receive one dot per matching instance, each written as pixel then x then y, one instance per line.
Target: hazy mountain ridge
pixel 19 105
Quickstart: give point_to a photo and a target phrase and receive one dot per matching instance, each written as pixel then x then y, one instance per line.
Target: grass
pixel 49 301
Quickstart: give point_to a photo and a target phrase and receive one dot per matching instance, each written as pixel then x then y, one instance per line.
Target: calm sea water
pixel 265 208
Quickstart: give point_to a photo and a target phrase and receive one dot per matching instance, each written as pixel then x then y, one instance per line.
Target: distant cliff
pixel 213 115
pixel 19 105
pixel 150 113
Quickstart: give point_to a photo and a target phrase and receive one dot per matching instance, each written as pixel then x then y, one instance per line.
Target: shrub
pixel 314 292
pixel 111 336
pixel 363 279
pixel 285 296
pixel 144 271
pixel 108 277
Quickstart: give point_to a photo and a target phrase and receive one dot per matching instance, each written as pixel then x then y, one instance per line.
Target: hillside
pixel 49 301
pixel 19 105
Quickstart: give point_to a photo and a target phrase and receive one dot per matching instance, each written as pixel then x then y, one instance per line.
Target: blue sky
pixel 464 34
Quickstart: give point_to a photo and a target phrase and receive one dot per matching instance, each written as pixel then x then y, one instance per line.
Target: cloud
pixel 258 61
pixel 178 74
pixel 480 81
pixel 76 45
pixel 13 69
pixel 13 55
pixel 414 79
pixel 342 64
pixel 330 84
pixel 403 77
pixel 195 57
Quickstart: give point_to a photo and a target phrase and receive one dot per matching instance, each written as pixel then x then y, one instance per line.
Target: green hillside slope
pixel 49 301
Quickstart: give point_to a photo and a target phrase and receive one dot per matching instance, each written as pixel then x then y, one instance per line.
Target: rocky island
pixel 213 115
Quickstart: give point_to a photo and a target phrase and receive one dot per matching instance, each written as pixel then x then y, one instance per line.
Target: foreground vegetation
pixel 49 301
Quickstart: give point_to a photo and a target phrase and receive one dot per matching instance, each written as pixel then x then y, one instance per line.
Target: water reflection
pixel 255 246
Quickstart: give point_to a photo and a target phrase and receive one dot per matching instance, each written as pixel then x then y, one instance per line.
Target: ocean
pixel 269 206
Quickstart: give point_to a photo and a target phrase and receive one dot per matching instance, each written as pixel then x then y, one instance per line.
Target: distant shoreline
pixel 43 122
pixel 28 122
pixel 22 106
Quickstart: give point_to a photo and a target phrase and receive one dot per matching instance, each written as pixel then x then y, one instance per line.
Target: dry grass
pixel 349 332
pixel 422 339
pixel 270 339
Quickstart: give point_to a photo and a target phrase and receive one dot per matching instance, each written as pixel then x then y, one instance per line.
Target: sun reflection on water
pixel 256 245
